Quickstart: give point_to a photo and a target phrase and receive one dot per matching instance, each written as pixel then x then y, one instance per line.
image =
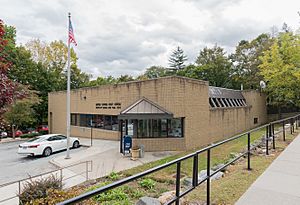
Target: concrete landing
pixel 280 183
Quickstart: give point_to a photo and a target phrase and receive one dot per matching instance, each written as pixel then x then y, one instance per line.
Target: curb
pixel 55 164
pixel 16 140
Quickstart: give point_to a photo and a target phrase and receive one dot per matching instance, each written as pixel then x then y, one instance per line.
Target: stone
pixel 203 173
pixel 167 196
pixel 218 166
pixel 187 181
pixel 145 200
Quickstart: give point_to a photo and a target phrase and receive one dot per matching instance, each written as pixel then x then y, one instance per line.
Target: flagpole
pixel 68 95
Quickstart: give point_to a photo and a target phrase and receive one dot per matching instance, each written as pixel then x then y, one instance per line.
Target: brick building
pixel 170 113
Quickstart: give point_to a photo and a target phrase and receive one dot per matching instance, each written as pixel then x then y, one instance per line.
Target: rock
pixel 145 200
pixel 167 196
pixel 201 176
pixel 203 173
pixel 187 181
pixel 218 167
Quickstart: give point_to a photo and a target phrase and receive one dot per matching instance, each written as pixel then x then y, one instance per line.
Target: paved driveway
pixel 16 167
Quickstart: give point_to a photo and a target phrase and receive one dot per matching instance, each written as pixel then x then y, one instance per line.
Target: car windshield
pixel 36 139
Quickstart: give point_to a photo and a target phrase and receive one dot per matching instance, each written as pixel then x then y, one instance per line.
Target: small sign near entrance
pixel 127 143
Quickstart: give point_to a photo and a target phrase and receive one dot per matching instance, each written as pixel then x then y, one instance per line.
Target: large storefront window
pixel 107 122
pixel 155 128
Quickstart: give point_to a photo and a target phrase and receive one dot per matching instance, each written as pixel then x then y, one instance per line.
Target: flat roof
pixel 138 81
pixel 217 92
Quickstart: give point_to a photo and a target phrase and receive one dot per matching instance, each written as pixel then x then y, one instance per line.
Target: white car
pixel 46 144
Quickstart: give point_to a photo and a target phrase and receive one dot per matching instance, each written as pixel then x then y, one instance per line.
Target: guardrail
pixel 14 189
pixel 269 136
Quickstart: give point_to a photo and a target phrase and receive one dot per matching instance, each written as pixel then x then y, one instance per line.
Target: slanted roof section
pixel 216 92
pixel 145 109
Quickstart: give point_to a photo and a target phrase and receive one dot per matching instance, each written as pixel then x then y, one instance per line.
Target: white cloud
pixel 124 37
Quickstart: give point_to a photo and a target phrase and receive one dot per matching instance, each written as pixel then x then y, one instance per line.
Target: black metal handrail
pixel 270 134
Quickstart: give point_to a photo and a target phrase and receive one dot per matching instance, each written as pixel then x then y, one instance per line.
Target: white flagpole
pixel 68 95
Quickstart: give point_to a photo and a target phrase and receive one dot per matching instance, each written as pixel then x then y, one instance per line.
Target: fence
pixel 269 137
pixel 68 178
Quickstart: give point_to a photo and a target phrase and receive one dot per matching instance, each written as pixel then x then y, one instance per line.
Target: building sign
pixel 108 105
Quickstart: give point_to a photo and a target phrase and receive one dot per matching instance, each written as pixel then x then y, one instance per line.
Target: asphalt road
pixel 15 167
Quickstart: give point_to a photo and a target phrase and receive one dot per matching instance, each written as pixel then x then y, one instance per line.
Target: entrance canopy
pixel 145 109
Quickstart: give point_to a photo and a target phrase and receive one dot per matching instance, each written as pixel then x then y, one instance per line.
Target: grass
pixel 219 154
pixel 226 190
pixel 238 179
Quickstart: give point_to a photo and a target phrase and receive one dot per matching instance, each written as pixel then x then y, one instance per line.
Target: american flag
pixel 71 34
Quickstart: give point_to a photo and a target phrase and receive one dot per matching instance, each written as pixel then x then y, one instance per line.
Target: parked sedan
pixel 46 144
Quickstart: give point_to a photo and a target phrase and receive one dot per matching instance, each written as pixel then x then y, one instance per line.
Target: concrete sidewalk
pixel 280 183
pixel 106 158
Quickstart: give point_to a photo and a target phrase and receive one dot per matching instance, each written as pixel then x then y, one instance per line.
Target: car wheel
pixel 75 144
pixel 47 152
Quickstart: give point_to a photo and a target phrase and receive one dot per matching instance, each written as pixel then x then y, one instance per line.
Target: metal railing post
pixel 195 171
pixel 291 126
pixel 208 178
pixel 283 130
pixel 249 151
pixel 267 140
pixel 61 178
pixel 19 183
pixel 87 169
pixel 273 135
pixel 177 202
pixel 293 120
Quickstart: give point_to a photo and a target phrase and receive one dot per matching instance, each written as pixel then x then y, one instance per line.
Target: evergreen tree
pixel 177 59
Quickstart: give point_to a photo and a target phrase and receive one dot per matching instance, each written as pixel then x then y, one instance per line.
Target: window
pixel 255 120
pixel 107 122
pixel 114 123
pixel 226 102
pixel 155 128
pixel 75 119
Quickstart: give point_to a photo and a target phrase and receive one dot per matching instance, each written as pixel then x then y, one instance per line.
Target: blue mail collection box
pixel 127 143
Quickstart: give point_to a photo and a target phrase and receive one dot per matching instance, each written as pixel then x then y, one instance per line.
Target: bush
pixel 43 132
pixel 147 183
pixel 36 189
pixel 30 135
pixel 114 176
pixel 114 196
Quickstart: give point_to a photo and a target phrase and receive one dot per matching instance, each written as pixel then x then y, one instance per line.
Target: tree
pixel 155 72
pixel 246 60
pixel 101 81
pixel 8 88
pixel 213 65
pixel 21 114
pixel 177 59
pixel 42 67
pixel 124 78
pixel 281 70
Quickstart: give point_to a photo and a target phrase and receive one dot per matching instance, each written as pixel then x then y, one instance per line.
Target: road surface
pixel 15 167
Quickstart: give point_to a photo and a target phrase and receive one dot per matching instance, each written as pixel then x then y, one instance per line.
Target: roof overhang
pixel 145 109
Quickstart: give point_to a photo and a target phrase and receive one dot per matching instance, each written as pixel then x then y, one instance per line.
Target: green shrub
pixel 114 196
pixel 43 132
pixel 114 176
pixel 137 194
pixel 37 188
pixel 30 135
pixel 147 183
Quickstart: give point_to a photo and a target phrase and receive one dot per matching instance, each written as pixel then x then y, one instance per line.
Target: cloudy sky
pixel 126 36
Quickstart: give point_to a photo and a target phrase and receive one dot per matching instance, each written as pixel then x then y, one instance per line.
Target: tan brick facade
pixel 183 97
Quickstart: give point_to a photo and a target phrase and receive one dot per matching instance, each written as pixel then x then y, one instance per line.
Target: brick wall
pixel 183 97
